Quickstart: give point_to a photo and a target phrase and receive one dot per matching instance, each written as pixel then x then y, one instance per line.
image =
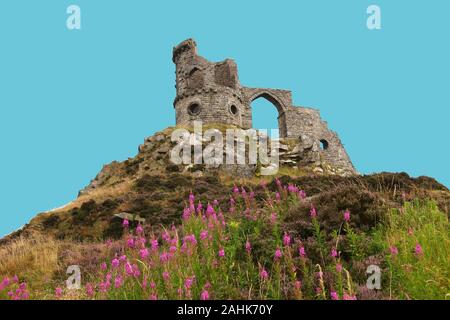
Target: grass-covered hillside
pixel 279 240
pixel 148 229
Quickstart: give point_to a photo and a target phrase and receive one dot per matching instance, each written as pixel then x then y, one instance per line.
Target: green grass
pixel 413 275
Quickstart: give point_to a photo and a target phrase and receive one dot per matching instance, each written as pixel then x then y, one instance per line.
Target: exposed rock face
pixel 211 92
pixel 154 158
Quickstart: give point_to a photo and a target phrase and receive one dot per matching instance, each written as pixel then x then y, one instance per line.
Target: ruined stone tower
pixel 211 92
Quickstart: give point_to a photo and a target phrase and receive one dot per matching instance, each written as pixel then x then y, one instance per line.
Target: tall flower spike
pixel 248 247
pixel 347 216
pixel 313 212
pixel 286 240
pixel 264 274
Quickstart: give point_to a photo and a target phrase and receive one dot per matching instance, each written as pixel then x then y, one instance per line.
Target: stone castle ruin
pixel 211 92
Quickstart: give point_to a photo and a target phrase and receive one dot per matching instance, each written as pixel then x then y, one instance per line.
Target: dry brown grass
pixel 99 195
pixel 30 258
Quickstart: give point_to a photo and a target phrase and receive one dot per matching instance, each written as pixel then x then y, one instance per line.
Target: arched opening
pixel 265 116
pixel 324 144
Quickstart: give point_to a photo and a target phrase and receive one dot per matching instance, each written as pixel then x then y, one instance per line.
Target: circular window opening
pixel 194 109
pixel 323 144
pixel 234 110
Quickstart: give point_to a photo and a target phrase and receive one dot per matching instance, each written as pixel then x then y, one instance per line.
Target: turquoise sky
pixel 71 101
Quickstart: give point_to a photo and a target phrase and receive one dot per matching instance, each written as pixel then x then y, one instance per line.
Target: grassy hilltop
pixel 148 229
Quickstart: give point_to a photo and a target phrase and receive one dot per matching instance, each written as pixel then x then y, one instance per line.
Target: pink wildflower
pixel 286 240
pixel 221 252
pixel 210 210
pixel 139 229
pixel 129 269
pixel 248 247
pixel 273 218
pixel 277 196
pixel 190 238
pixel 186 213
pixel 199 207
pixel 166 236
pixel 313 212
pixel 154 244
pixel 347 216
pixel 204 234
pixel 418 250
pixel 188 282
pixel 301 194
pixel 89 290
pixel 136 271
pixel 204 295
pixel 166 275
pixel 164 257
pixel 144 253
pixel 144 282
pixel 334 295
pixel 302 252
pixel 278 182
pixel 348 297
pixel 141 241
pixel 393 250
pixel 277 254
pixel 264 274
pixel 334 253
pixel 5 282
pixel 130 243
pixel 103 287
pixel 125 223
pixel 339 267
pixel 115 263
pixel 118 282
pixel 58 293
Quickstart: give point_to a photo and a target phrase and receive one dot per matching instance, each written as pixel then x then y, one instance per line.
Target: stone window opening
pixel 194 109
pixel 195 69
pixel 234 110
pixel 324 144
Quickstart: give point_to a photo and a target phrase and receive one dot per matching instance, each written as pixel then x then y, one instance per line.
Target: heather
pixel 272 241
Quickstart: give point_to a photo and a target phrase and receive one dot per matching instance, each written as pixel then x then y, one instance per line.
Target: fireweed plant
pixel 211 256
pixel 244 253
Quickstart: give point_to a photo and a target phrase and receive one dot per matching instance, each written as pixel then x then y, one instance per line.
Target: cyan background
pixel 71 101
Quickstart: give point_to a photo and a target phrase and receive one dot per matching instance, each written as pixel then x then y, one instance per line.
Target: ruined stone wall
pixel 211 92
pixel 207 91
pixel 315 136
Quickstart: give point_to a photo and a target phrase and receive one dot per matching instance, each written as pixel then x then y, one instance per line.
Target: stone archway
pixel 281 99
